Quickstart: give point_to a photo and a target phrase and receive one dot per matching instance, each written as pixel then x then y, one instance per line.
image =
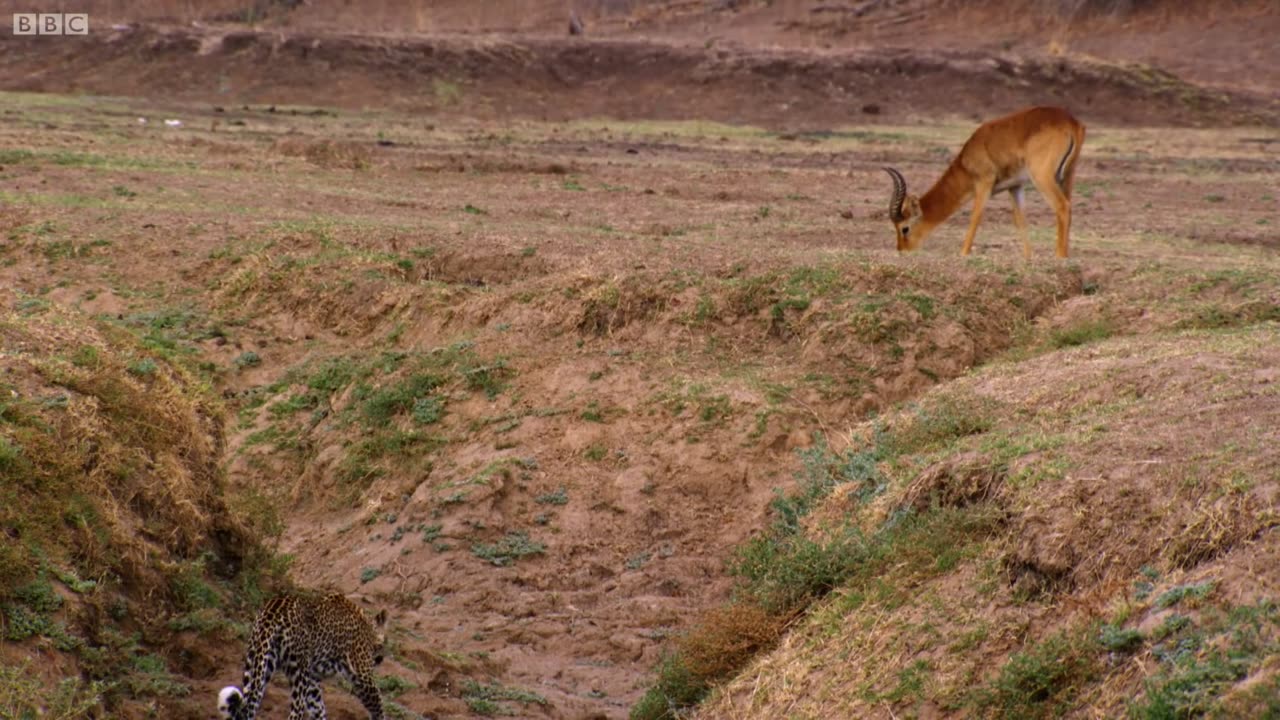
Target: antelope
pixel 1039 144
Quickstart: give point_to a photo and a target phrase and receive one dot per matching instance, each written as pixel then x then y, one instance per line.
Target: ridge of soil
pixel 558 78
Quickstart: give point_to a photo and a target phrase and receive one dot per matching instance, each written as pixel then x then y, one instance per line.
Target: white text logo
pixel 50 23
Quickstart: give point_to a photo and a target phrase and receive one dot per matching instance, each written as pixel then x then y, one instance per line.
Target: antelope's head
pixel 904 211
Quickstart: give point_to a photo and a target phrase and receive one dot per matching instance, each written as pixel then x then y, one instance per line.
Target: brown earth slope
pixel 519 342
pixel 535 431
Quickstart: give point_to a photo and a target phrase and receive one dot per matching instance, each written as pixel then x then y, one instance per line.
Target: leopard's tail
pixel 230 700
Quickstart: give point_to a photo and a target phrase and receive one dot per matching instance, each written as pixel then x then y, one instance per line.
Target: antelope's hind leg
pixel 1061 205
pixel 1020 219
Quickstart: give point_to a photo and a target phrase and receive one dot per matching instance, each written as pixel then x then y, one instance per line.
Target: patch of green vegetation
pixel 1213 316
pixel 674 689
pixel 1177 594
pixel 393 685
pixel 14 156
pixel 386 394
pixel 171 334
pixel 487 699
pixel 144 367
pixel 512 547
pixel 1119 639
pixel 191 588
pixel 71 158
pixel 446 92
pixel 400 712
pixel 923 304
pixel 910 683
pixel 557 497
pixel 593 413
pixel 293 404
pixel 710 409
pixel 1081 333
pixel 150 677
pixel 1200 663
pixel 427 410
pixel 411 393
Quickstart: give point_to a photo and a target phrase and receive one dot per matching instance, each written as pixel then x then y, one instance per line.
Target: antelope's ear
pixel 380 619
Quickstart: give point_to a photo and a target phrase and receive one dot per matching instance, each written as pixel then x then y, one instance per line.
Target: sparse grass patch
pixel 25 695
pixel 557 497
pixel 512 547
pixel 1081 333
pixel 951 417
pixel 389 396
pixel 1044 680
pixel 1119 639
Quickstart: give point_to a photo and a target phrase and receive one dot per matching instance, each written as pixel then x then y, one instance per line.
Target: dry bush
pixel 727 638
pixel 608 307
pixel 328 154
pixel 957 481
pixel 1215 529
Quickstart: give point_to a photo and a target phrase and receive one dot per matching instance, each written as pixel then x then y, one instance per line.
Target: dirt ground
pixel 634 312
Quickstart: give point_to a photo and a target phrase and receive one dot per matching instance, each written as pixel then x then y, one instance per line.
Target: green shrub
pixel 675 689
pixel 24 695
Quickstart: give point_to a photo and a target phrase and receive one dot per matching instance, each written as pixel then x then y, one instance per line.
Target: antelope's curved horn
pixel 899 194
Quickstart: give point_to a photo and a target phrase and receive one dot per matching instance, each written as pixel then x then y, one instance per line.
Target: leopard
pixel 312 638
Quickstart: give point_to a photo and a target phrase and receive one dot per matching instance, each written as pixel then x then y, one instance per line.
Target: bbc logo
pixel 51 23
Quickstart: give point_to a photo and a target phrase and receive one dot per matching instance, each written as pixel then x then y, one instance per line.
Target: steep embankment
pixel 1090 532
pixel 123 570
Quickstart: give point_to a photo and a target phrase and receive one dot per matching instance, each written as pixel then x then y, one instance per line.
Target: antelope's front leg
pixel 980 195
